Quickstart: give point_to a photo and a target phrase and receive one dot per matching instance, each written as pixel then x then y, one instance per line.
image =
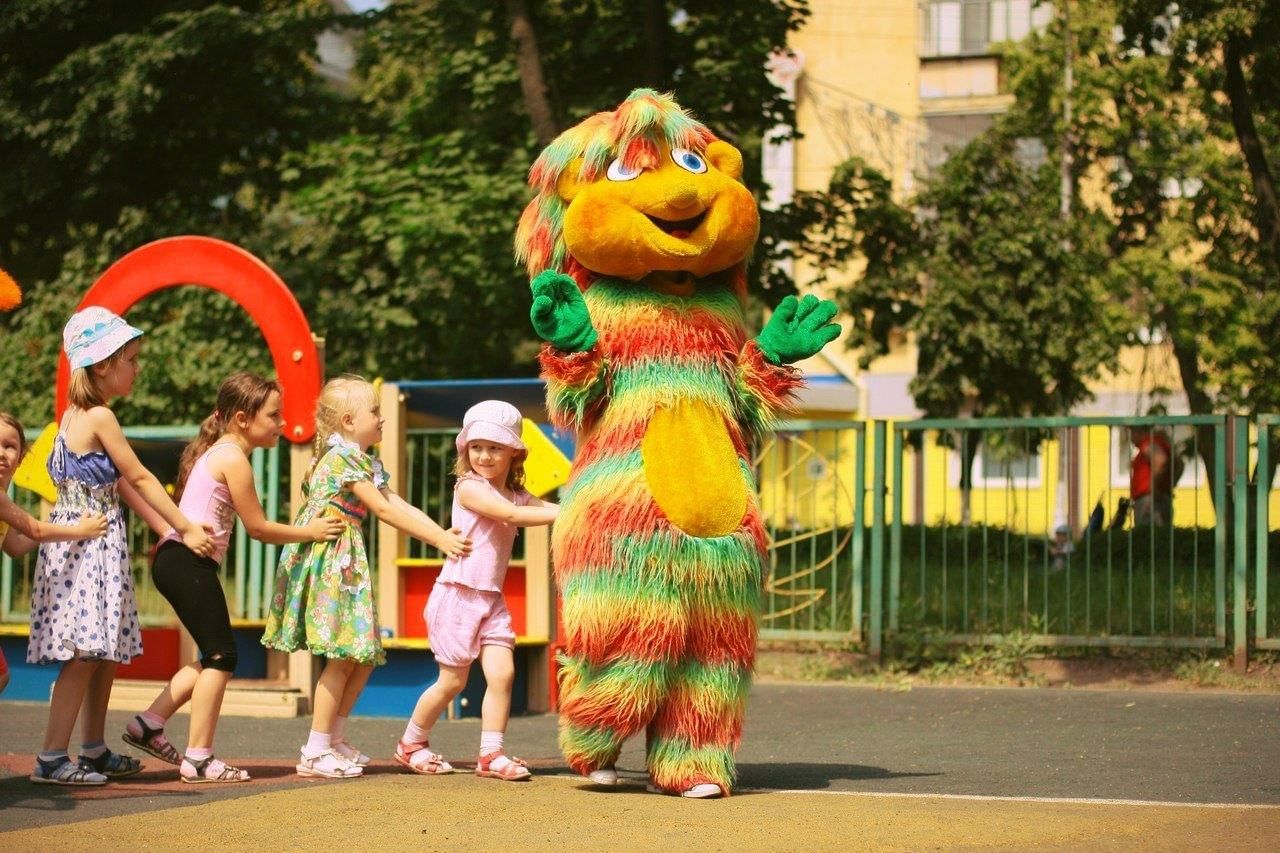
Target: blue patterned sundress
pixel 82 601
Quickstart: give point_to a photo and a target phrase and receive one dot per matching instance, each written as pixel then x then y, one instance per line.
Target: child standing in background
pixel 19 532
pixel 467 617
pixel 83 611
pixel 215 484
pixel 323 599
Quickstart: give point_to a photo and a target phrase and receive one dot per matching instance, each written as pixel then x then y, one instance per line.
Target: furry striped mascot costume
pixel 637 241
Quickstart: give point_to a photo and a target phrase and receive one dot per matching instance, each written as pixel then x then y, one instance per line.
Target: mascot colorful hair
pixel 638 240
pixel 10 293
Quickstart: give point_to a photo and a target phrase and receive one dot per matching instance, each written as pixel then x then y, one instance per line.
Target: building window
pixel 970 27
pixel 994 469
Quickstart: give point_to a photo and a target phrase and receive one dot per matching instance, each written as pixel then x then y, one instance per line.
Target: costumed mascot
pixel 637 242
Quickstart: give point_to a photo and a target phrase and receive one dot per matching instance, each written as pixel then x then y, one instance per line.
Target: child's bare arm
pixel 90 525
pixel 480 499
pixel 139 505
pixel 244 497
pixel 107 430
pixel 448 541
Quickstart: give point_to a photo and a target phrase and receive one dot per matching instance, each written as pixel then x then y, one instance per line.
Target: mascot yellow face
pixel 644 188
pixel 688 213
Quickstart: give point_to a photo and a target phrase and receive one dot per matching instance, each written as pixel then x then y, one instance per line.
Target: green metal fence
pixel 991 540
pixel 939 526
pixel 247 573
pixel 1266 573
pixel 811 476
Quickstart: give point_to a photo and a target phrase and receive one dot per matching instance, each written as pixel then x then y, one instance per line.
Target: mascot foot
pixel 606 776
pixel 700 791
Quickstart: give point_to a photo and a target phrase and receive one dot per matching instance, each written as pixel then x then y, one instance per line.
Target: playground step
pixel 246 697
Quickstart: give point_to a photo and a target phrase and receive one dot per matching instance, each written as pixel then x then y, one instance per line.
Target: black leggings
pixel 191 584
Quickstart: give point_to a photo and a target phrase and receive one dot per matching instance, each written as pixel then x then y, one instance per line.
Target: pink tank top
pixel 485 567
pixel 206 501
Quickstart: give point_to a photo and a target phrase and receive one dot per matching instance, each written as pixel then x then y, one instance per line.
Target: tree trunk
pixel 1267 207
pixel 655 55
pixel 1187 354
pixel 533 85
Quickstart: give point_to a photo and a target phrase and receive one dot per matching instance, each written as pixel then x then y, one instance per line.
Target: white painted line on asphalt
pixel 985 798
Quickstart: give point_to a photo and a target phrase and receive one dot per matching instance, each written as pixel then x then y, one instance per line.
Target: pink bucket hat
pixel 94 334
pixel 492 420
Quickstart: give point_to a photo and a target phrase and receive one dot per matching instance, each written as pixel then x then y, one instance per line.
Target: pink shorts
pixel 461 620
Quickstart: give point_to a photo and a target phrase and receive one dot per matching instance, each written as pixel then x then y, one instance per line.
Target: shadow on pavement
pixel 809 776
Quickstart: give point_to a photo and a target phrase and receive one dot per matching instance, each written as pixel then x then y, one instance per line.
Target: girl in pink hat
pixel 467 617
pixel 83 612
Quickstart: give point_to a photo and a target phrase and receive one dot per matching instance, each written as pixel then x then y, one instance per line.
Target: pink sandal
pixel 515 770
pixel 418 758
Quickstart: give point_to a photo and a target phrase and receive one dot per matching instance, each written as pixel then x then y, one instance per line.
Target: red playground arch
pixel 231 271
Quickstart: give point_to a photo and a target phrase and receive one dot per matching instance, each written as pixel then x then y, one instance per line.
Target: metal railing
pixel 247 574
pixel 998 541
pixel 1266 575
pixel 811 477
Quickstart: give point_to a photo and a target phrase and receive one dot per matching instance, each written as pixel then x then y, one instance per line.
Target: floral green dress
pixel 323 599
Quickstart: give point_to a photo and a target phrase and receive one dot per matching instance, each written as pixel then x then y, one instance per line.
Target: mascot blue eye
pixel 619 172
pixel 688 160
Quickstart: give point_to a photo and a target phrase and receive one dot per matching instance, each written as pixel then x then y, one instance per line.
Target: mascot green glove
pixel 637 243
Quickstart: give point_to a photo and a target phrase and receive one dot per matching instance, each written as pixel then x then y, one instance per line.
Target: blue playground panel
pixel 394 688
pixel 392 691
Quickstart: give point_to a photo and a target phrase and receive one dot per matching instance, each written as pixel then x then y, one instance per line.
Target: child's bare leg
pixel 93 714
pixel 436 698
pixel 176 693
pixel 64 706
pixel 329 692
pixel 412 751
pixel 206 705
pixel 498 663
pixel 355 686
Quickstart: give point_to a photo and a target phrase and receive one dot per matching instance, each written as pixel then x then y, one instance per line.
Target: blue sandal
pixel 64 771
pixel 113 765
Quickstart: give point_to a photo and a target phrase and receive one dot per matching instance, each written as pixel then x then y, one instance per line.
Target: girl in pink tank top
pixel 467 617
pixel 215 484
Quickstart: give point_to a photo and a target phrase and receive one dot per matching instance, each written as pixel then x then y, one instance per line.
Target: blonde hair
pixel 515 474
pixel 341 396
pixel 83 391
pixel 10 420
pixel 239 392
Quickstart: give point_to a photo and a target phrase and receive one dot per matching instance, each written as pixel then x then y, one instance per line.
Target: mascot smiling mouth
pixel 680 228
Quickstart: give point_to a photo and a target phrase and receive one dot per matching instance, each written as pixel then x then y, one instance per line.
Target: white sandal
pixel 349 752
pixel 328 764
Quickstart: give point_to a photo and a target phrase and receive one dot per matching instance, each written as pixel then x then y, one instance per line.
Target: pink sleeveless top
pixel 485 567
pixel 206 501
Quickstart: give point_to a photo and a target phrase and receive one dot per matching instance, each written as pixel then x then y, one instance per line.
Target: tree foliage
pixel 389 210
pixel 1175 132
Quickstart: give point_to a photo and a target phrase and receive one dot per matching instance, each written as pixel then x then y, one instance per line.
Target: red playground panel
pixel 159 660
pixel 417 577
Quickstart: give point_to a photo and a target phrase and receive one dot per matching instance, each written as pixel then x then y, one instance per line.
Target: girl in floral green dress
pixel 323 600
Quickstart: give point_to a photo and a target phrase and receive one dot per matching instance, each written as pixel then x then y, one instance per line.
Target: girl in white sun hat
pixel 83 612
pixel 467 617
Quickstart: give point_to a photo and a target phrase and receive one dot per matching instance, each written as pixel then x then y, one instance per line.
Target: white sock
pixel 490 742
pixel 196 754
pixel 414 733
pixel 319 741
pixel 93 750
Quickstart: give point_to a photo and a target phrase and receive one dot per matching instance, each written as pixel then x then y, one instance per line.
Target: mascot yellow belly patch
pixel 637 242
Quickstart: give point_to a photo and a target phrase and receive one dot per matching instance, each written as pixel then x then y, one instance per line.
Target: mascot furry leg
pixel 637 241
